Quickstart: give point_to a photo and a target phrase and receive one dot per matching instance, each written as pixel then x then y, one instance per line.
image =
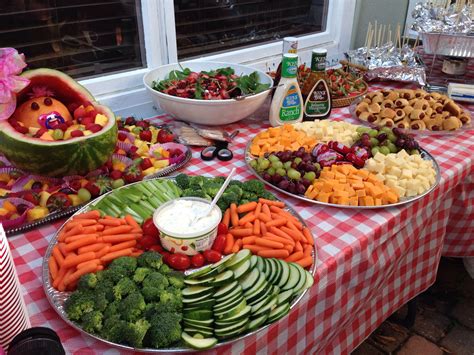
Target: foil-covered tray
pixel 57 298
pixel 403 201
pixel 453 45
pixel 69 211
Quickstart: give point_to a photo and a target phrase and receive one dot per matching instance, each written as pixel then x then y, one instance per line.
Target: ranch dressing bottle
pixel 287 103
pixel 317 104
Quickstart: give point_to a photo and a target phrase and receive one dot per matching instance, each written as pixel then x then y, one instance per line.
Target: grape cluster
pixel 386 140
pixel 292 171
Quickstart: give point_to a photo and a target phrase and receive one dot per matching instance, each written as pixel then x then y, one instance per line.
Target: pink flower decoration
pixel 11 65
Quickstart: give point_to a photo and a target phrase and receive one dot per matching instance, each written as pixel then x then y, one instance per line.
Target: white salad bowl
pixel 206 112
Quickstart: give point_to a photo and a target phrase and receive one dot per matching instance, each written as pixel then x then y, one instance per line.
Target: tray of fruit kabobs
pixel 107 272
pixel 414 111
pixel 343 165
pixel 47 171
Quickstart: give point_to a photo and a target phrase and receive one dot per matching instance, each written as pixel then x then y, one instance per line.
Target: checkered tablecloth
pixel 369 264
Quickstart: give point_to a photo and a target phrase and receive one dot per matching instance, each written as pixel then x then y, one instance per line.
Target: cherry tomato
pixel 221 229
pixel 197 260
pixel 157 247
pixel 148 241
pixel 219 243
pixel 166 256
pixel 149 228
pixel 179 261
pixel 212 256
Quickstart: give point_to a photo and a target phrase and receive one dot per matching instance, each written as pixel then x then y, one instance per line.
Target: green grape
pixel 392 137
pixel 260 160
pixel 287 165
pixel 58 134
pixel 374 142
pixel 271 170
pixel 83 194
pixel 375 150
pixel 386 130
pixel 317 166
pixel 361 129
pixel 277 164
pixel 281 172
pixel 253 164
pixel 373 133
pixel 297 160
pixel 392 147
pixel 414 151
pixel 263 165
pixel 118 183
pixel 310 175
pixel 294 174
pixel 273 158
pixel 384 150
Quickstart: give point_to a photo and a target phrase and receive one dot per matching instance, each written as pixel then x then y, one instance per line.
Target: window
pixel 214 26
pixel 80 37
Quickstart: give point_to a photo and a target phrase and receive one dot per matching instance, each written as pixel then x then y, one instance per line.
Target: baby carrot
pixel 88 215
pixel 73 238
pixel 297 255
pixel 241 232
pixel 53 267
pixel 289 247
pixel 258 209
pixel 82 222
pixel 62 271
pixel 307 250
pixel 86 269
pixel 278 253
pixel 275 238
pixel 135 253
pixel 80 243
pixel 248 218
pixel 292 233
pixel 110 222
pixel 271 203
pixel 294 224
pixel 280 233
pixel 131 221
pixel 237 246
pixel 62 248
pixel 102 251
pixel 268 243
pixel 58 256
pixel 309 236
pixel 249 240
pixel 265 210
pixel 101 267
pixel 118 238
pixel 62 284
pixel 116 254
pixel 94 261
pixel 234 217
pixel 256 226
pixel 264 217
pixel 254 248
pixel 229 242
pixel 117 230
pixel 73 260
pixel 276 222
pixel 298 246
pixel 78 229
pixel 92 229
pixel 263 228
pixel 305 262
pixel 62 235
pixel 123 245
pixel 247 207
pixel 226 218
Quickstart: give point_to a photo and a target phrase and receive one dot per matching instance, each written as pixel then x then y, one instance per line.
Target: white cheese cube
pixel 407 174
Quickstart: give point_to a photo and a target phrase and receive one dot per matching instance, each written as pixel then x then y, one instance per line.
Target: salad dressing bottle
pixel 317 96
pixel 287 103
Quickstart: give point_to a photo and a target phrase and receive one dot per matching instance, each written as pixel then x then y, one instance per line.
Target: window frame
pixel 125 89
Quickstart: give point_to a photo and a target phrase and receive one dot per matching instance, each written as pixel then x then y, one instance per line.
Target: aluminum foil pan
pixel 57 298
pixel 452 45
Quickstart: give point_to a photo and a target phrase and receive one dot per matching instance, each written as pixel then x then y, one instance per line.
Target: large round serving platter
pixel 57 298
pixel 424 154
pixel 424 132
pixel 70 210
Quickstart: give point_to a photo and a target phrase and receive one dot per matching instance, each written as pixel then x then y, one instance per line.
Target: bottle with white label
pixel 287 103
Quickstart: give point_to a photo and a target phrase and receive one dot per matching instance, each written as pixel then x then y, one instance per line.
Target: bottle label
pixel 318 101
pixel 318 62
pixel 289 67
pixel 290 109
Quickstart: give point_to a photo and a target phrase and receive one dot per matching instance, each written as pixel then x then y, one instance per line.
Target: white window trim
pixel 124 91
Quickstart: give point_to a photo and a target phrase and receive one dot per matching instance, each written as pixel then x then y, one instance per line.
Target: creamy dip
pixel 180 217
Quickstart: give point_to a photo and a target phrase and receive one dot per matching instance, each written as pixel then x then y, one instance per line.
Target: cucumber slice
pixel 260 264
pixel 253 261
pixel 232 334
pixel 196 300
pixel 249 280
pixel 309 280
pixel 193 331
pixel 237 292
pixel 302 281
pixel 230 312
pixel 259 292
pixel 205 304
pixel 199 282
pixel 223 278
pixel 260 304
pixel 242 269
pixel 231 328
pixel 228 321
pixel 284 297
pixel 205 271
pixel 228 305
pixel 196 291
pixel 275 277
pixel 260 281
pixel 198 327
pixel 278 312
pixel 199 344
pixel 199 323
pixel 293 279
pixel 268 269
pixel 238 259
pixel 254 324
pixel 285 273
pixel 268 307
pixel 268 291
pixel 275 290
pixel 198 314
pixel 220 265
pixel 225 290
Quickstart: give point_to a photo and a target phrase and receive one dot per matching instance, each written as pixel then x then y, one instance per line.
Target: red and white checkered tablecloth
pixel 369 264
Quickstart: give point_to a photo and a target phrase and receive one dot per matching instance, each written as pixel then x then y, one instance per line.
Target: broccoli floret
pixel 171 299
pixel 132 307
pixel 151 294
pixel 229 197
pixel 150 259
pixel 191 192
pixel 101 301
pixel 235 183
pixel 182 180
pixel 267 195
pixel 136 332
pixel 176 279
pixel 196 182
pixel 105 286
pixel 124 264
pixel 254 185
pixel 124 287
pixel 223 205
pixel 237 190
pixel 115 329
pixel 211 188
pixel 140 274
pixel 111 311
pixel 153 308
pixel 156 280
pixel 218 180
pixel 165 330
pixel 79 303
pixel 92 322
pixel 165 269
pixel 87 281
pixel 250 196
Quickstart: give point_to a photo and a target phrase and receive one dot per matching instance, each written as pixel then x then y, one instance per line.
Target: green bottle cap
pixel 318 59
pixel 289 66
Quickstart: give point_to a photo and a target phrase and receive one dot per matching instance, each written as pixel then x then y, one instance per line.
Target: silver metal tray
pixel 453 45
pixel 57 298
pixel 425 155
pixel 424 132
pixel 69 211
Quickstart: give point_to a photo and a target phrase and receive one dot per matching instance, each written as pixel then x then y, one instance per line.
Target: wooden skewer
pixel 369 27
pixel 416 42
pixel 382 40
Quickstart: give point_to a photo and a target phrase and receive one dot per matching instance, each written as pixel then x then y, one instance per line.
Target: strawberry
pixel 79 112
pixel 146 163
pixel 32 197
pixel 92 188
pixel 87 120
pixel 75 184
pixel 146 135
pixel 94 127
pixel 133 173
pixel 115 174
pixel 122 136
pixel 130 121
pixel 77 133
pixel 143 124
pixel 62 127
pixel 165 136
